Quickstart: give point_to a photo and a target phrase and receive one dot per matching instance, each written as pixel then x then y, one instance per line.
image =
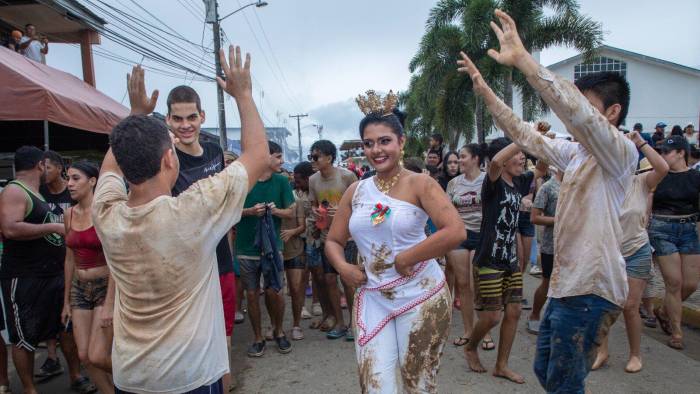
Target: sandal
pixel 327 324
pixel 461 341
pixel 83 386
pixel 663 321
pixel 337 333
pixel 675 343
pixel 487 344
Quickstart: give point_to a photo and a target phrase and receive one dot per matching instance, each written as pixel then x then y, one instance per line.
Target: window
pixel 600 64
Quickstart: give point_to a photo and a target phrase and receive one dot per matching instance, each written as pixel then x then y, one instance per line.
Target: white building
pixel 661 91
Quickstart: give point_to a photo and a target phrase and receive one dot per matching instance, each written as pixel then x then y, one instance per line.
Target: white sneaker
pixel 533 326
pixel 305 313
pixel 535 270
pixel 316 309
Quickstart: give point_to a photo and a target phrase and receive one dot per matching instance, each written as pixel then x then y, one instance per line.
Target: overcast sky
pixel 315 56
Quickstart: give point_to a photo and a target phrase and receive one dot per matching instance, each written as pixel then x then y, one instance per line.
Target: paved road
pixel 317 365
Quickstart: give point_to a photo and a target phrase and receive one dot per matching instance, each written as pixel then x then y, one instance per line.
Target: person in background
pixel 89 294
pixel 691 135
pixel 694 158
pixel 33 46
pixel 676 130
pixel 450 169
pixel 659 133
pixel 434 159
pixel 435 143
pixel 239 317
pixel 14 41
pixel 646 136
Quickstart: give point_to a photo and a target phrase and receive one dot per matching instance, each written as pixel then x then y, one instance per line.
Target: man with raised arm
pixel 588 287
pixel 168 327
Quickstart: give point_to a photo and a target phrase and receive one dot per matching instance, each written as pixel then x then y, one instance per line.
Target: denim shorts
pixel 638 265
pixel 295 263
pixel 88 294
pixel 313 256
pixel 668 238
pixel 525 226
pixel 350 252
pixel 471 242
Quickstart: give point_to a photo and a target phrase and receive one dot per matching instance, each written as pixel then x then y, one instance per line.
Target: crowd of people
pixel 138 270
pixel 29 43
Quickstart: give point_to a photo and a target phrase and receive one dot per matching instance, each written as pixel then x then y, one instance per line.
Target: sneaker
pixel 283 345
pixel 650 322
pixel 533 327
pixel 305 313
pixel 257 349
pixel 5 390
pixel 239 318
pixel 316 309
pixel 337 333
pixel 83 386
pixel 535 270
pixel 297 334
pixel 525 305
pixel 50 368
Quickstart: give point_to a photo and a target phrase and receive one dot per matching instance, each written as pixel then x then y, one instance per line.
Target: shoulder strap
pixel 28 194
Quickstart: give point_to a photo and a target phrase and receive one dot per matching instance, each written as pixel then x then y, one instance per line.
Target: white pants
pixel 414 341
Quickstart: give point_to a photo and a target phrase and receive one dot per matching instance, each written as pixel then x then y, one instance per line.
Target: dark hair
pixel 27 25
pixel 610 87
pixel 326 147
pixel 400 115
pixel 394 121
pixel 637 127
pixel 274 147
pixel 431 169
pixel 138 143
pixel 444 159
pixel 27 157
pixel 55 158
pixel 305 169
pixel 88 169
pixel 184 94
pixel 435 152
pixel 437 137
pixel 414 164
pixel 479 150
pixel 676 130
pixel 497 145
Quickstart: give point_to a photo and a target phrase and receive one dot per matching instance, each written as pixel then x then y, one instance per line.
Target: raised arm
pixel 614 153
pixel 658 164
pixel 13 206
pixel 253 138
pixel 499 161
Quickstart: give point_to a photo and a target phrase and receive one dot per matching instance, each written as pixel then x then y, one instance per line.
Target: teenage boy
pixel 271 192
pixel 326 188
pixel 598 172
pixel 498 281
pixel 199 160
pixel 169 331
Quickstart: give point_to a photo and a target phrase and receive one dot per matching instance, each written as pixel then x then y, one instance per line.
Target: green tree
pixel 439 99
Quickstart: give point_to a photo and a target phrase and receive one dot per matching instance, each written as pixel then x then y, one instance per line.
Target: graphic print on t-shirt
pixel 467 202
pixel 506 225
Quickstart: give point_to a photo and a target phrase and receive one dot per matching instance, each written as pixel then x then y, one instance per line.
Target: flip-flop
pixel 461 341
pixel 328 324
pixel 337 333
pixel 664 323
pixel 487 344
pixel 675 343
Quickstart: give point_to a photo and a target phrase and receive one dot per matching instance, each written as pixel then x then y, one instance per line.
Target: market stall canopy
pixel 34 91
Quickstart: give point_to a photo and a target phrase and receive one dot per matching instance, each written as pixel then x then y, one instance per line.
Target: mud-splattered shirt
pixel 168 326
pixel 598 171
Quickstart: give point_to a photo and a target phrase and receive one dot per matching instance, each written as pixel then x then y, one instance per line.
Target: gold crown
pixel 372 102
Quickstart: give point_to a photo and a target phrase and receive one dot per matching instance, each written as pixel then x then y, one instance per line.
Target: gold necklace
pixel 386 186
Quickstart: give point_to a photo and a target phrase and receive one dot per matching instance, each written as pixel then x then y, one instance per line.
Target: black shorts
pixel 295 263
pixel 546 262
pixel 525 226
pixel 33 309
pixel 472 241
pixel 350 257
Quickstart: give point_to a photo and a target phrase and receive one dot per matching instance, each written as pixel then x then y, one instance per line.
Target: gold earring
pixel 401 157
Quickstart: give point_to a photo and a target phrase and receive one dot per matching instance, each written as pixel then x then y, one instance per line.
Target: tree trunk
pixel 508 88
pixel 480 132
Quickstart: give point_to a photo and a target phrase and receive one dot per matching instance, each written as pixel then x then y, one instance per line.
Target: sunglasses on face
pixel 312 157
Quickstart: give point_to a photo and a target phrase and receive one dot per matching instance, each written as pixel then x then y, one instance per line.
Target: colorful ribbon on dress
pixel 380 213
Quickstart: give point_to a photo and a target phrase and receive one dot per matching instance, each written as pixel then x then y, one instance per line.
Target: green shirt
pixel 277 190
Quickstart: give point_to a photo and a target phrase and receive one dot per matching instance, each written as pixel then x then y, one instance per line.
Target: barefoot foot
pixel 634 365
pixel 506 373
pixel 473 361
pixel 600 360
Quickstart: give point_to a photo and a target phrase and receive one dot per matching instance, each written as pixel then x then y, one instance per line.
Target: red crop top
pixel 86 247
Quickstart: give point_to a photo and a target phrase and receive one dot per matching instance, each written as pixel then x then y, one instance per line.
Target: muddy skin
pixel 389 294
pixel 425 343
pixel 367 378
pixel 380 256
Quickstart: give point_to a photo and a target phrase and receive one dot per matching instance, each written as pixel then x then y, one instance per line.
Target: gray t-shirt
pixel 546 200
pixel 466 197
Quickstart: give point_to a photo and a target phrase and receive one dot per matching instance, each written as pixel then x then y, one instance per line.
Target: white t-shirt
pixel 33 51
pixel 169 334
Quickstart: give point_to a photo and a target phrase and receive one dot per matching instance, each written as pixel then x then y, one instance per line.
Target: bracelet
pixel 642 145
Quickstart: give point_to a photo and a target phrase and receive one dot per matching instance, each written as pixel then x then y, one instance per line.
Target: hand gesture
pixel 636 138
pixel 353 275
pixel 237 82
pixel 139 101
pixel 286 235
pixel 258 209
pixel 479 85
pixel 106 316
pixel 404 269
pixel 66 314
pixel 512 49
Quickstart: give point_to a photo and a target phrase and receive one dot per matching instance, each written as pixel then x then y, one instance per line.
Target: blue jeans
pixel 570 332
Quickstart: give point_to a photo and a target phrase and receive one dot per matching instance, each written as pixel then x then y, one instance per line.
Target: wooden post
pixel 86 55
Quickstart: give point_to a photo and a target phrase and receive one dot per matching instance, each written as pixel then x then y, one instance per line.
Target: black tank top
pixel 39 257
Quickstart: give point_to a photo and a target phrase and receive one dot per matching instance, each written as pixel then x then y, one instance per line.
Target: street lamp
pixel 212 16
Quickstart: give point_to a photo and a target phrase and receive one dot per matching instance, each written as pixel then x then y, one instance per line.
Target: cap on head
pixel 661 124
pixel 675 142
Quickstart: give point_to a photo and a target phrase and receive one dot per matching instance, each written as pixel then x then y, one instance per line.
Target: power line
pixel 190 10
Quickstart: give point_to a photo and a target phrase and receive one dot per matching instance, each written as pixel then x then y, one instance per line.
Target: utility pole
pixel 299 116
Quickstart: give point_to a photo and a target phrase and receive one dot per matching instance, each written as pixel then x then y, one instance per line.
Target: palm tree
pixel 440 99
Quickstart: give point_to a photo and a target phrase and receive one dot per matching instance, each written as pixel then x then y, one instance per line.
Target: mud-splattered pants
pixel 570 333
pixel 414 341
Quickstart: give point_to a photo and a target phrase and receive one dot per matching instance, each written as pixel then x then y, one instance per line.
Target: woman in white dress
pixel 402 307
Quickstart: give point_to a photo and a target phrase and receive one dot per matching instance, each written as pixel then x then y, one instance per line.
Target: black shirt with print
pixel 500 204
pixel 194 168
